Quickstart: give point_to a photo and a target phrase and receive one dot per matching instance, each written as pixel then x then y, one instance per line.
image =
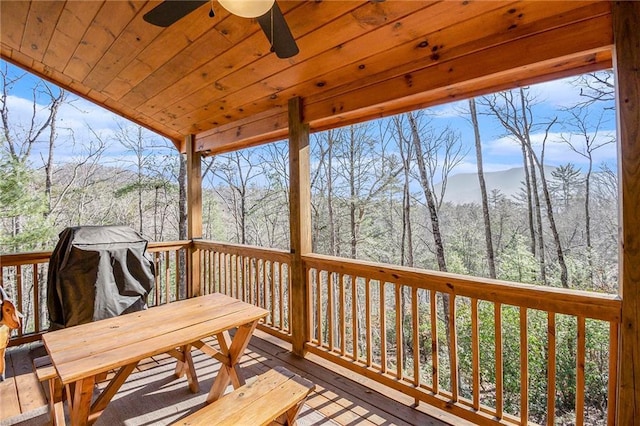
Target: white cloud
pixel 556 150
pixel 77 121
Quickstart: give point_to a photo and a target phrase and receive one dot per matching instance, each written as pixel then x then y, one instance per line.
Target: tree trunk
pixel 483 190
pixel 530 215
pixel 431 203
pixel 55 105
pixel 330 213
pixel 538 217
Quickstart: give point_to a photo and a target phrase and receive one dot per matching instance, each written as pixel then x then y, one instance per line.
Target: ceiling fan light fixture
pixel 247 8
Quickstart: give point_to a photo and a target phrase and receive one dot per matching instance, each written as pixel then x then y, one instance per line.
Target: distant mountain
pixel 464 187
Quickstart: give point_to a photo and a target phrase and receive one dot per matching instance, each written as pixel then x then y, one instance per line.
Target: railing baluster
pixel 524 368
pixel 415 330
pixel 179 268
pixel 367 297
pixel 19 306
pixel 453 350
pixel 330 278
pixel 383 329
pixel 433 315
pixel 580 371
pixel 264 283
pixel 273 293
pixel 281 296
pixel 498 342
pixel 156 279
pixel 354 316
pixel 319 306
pixel 399 336
pixel 551 368
pixel 343 315
pixel 36 299
pixel 475 354
pixel 212 270
pixel 613 374
pixel 167 269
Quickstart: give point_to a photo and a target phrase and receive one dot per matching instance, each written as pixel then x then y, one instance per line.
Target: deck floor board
pixel 144 398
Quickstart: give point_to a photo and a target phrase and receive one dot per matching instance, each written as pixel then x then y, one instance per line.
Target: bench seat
pixel 277 395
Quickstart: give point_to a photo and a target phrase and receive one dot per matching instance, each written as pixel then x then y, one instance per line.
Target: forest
pixel 381 191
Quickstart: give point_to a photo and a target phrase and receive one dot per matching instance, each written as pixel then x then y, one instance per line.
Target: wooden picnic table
pixel 80 353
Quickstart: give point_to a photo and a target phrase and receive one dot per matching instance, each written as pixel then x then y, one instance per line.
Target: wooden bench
pixel 277 395
pixel 46 372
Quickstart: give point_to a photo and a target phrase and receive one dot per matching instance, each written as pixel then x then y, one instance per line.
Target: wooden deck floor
pixel 152 395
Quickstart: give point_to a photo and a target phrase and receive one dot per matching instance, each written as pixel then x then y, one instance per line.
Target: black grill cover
pixel 97 272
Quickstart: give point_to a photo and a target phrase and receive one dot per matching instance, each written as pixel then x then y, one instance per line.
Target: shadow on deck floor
pixel 152 395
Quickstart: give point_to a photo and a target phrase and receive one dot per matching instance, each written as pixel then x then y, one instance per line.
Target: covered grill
pixel 97 272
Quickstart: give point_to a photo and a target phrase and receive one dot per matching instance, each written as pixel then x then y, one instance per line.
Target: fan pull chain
pixel 211 12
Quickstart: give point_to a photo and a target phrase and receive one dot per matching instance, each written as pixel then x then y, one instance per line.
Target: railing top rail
pixel 153 247
pixel 605 307
pixel 15 259
pixel 245 250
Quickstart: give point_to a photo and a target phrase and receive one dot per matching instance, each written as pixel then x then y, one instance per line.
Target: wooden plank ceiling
pixel 216 78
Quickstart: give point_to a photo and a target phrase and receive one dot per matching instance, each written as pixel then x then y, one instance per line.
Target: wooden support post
pixel 300 223
pixel 626 21
pixel 194 214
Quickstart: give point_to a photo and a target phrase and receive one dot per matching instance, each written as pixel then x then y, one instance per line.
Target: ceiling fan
pixel 267 13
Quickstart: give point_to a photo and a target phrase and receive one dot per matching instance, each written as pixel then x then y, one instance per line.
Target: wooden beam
pixel 300 223
pixel 194 214
pixel 626 20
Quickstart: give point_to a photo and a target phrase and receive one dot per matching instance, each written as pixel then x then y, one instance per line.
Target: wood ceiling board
pixel 267 76
pixel 243 41
pixel 503 24
pixel 111 19
pixel 41 22
pixel 130 43
pixel 23 61
pixel 168 44
pixel 167 81
pixel 75 19
pixel 239 56
pixel 12 22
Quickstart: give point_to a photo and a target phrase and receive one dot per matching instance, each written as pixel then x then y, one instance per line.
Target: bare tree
pixel 405 146
pixel 583 138
pixel 595 87
pixel 515 114
pixel 483 189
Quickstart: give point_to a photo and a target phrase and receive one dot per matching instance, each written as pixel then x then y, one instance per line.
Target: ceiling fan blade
pixel 282 41
pixel 170 11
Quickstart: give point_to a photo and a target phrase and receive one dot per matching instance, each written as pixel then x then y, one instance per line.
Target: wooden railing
pixel 484 350
pixel 255 275
pixel 24 276
pixel 466 345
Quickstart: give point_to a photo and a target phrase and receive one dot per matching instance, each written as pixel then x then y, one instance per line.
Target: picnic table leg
pixel 230 373
pixel 109 392
pixel 80 401
pixel 184 365
pixel 56 408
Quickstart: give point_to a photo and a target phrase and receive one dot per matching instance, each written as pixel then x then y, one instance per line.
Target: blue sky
pixel 499 152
